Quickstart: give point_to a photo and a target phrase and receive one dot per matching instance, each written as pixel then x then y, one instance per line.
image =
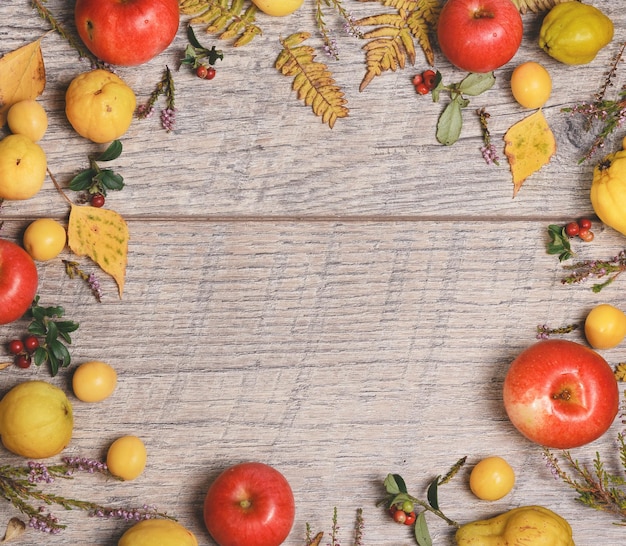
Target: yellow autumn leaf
pixel 22 76
pixel 529 145
pixel 102 235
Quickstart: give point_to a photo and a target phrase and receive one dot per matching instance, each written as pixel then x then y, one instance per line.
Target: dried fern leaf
pixel 406 5
pixel 420 24
pixel 390 46
pixel 312 81
pixel 227 19
pixel 536 6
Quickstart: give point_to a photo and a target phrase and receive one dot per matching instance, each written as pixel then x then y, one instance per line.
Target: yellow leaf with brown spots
pixel 102 235
pixel 22 76
pixel 529 145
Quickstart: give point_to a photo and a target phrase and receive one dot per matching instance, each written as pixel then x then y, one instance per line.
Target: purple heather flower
pixel 168 118
pixel 490 154
pixel 94 284
pixel 145 111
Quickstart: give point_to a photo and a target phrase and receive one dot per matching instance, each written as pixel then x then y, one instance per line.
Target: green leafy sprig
pixel 398 493
pixel 18 485
pixel 559 243
pixel 45 323
pixel 196 54
pixel 451 118
pixel 96 179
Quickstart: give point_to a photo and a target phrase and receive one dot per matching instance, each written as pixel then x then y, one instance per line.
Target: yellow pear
pixel 36 420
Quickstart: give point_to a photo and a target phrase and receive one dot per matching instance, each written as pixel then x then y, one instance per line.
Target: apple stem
pixel 245 504
pixel 563 395
pixel 483 14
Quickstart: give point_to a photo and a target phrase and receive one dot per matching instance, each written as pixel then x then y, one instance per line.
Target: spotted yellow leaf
pixel 22 76
pixel 529 145
pixel 102 235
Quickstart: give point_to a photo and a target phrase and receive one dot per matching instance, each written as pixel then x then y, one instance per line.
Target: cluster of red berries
pixel 403 512
pixel 205 72
pixel 425 82
pixel 23 350
pixel 580 228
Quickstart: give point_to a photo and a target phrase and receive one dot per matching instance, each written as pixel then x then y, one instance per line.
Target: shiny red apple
pixel 127 32
pixel 249 504
pixel 479 35
pixel 18 281
pixel 561 394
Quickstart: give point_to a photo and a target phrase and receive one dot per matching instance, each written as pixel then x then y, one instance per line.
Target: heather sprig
pixel 349 25
pixel 166 88
pixel 83 52
pixel 596 487
pixel 609 113
pixel 544 331
pixel 596 269
pixel 46 323
pixel 18 484
pixel 73 270
pixel 488 150
pixel 316 540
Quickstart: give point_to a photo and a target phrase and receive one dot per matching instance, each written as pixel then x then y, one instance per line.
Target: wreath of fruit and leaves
pixel 391 44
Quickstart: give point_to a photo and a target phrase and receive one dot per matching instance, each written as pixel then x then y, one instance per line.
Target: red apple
pixel 249 504
pixel 18 281
pixel 479 35
pixel 561 394
pixel 127 32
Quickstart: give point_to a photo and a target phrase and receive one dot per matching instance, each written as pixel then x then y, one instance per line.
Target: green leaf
pixel 67 326
pixel 214 54
pixel 559 243
pixel 37 328
pixel 40 356
pixel 474 84
pixel 112 152
pixel 54 364
pixel 82 180
pixel 110 179
pixel 52 332
pixel 450 124
pixel 60 352
pixel 53 311
pixel 432 493
pixel 394 484
pixel 191 36
pixel 422 535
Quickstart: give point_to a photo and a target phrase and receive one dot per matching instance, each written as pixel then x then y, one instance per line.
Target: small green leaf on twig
pixel 559 243
pixel 450 120
pixel 97 180
pixel 422 535
pixel 45 324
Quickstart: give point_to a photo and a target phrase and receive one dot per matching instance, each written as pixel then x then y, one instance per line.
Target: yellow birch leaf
pixel 22 76
pixel 529 145
pixel 102 235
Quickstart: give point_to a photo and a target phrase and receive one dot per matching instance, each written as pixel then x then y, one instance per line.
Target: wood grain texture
pixel 337 303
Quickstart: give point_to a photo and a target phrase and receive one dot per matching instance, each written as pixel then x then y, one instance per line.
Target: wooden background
pixel 339 304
